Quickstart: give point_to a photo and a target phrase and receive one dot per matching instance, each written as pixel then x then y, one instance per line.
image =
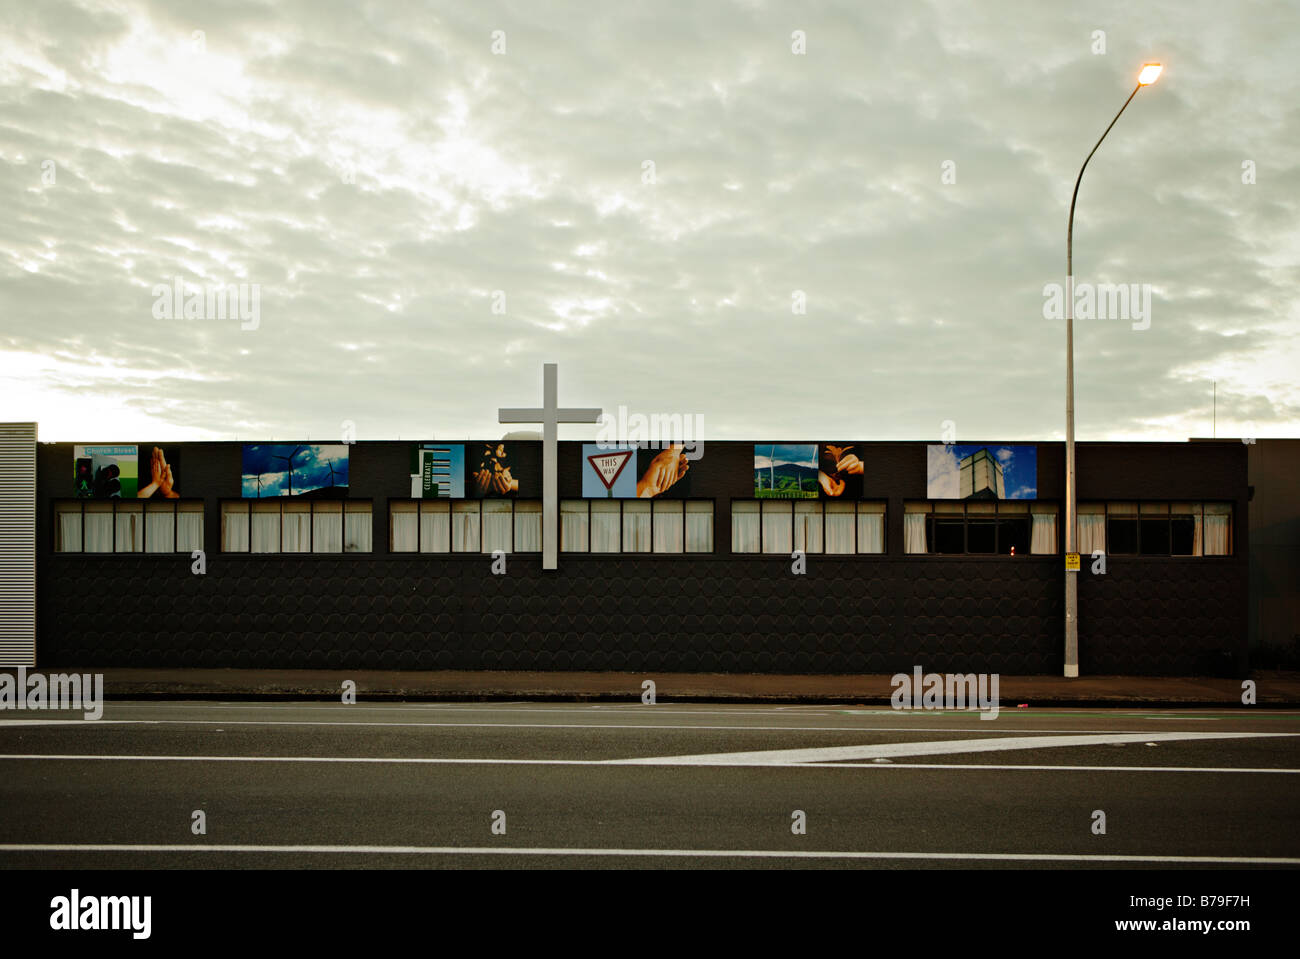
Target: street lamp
pixel 1148 75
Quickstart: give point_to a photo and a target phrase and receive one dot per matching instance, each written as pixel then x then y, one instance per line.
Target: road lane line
pixel 679 853
pixel 943 747
pixel 612 763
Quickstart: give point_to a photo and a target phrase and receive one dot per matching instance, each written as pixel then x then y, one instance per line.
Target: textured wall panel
pixel 17 544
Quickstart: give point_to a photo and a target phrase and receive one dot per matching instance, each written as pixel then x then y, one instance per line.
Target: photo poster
pixel 105 472
pixel 503 470
pixel 608 472
pixel 840 470
pixel 159 467
pixel 973 471
pixel 438 471
pixel 289 469
pixel 785 471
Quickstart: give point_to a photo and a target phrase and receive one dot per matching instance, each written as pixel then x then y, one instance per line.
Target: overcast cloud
pixel 378 172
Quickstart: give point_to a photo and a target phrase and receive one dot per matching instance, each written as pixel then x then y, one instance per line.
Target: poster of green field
pixel 105 472
pixel 785 471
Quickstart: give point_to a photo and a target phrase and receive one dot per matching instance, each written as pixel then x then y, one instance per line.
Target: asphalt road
pixel 316 785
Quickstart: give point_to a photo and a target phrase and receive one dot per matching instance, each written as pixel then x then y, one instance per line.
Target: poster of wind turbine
pixel 785 471
pixel 302 469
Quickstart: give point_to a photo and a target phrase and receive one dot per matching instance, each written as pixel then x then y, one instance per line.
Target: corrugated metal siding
pixel 17 544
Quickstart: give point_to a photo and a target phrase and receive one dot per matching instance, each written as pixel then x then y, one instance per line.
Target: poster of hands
pixel 839 471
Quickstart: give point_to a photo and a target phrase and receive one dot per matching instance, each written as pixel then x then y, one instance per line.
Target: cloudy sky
pixel 431 200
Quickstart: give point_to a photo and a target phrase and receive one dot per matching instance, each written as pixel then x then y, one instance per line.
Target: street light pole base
pixel 1071 672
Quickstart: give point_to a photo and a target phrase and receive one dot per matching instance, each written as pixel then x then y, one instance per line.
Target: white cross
pixel 550 417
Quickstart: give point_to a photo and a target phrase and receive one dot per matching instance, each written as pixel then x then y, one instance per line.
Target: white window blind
pixel 573 526
pixel 871 527
pixel 130 527
pixel 528 526
pixel 744 526
pixel 636 526
pixel 465 526
pixel 606 517
pixel 358 528
pixel 189 525
pixel 234 527
pixel 403 526
pixel 435 526
pixel 808 525
pixel 98 526
pixel 699 526
pixel 496 525
pixel 668 527
pixel 778 533
pixel 326 526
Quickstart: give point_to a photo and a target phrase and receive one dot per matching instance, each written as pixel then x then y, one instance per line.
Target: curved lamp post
pixel 1150 72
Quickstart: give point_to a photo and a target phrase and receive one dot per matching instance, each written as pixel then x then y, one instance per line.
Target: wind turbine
pixel 288 462
pixel 330 465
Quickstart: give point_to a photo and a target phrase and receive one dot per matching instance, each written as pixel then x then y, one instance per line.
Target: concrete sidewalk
pixel 1273 688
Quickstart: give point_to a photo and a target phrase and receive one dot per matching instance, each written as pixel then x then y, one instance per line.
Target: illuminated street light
pixel 1148 75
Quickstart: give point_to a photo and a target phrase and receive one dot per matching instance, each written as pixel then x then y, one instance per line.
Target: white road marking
pixel 609 725
pixel 896 750
pixel 677 853
pixel 613 724
pixel 609 763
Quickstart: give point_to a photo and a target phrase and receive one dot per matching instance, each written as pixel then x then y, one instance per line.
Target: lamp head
pixel 1150 73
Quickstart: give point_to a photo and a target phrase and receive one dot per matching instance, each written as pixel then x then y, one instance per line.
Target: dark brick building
pixel 358 576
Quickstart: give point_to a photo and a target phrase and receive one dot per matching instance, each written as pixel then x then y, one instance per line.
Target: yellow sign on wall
pixel 1071 562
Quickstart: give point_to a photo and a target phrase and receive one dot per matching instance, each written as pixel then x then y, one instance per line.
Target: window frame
pixel 143 508
pixel 874 507
pixel 998 518
pixel 310 512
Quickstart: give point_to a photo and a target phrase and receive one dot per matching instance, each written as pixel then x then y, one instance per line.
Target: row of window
pixel 1007 528
pixel 128 526
pixel 1156 529
pixel 980 527
pixel 782 526
pixel 296 526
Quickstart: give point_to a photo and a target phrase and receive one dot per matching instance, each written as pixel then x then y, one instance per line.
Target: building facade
pixel 796 557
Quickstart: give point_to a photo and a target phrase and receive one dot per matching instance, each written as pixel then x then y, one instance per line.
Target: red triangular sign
pixel 609 465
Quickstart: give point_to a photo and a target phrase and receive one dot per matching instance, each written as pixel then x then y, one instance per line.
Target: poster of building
pixel 971 471
pixel 840 470
pixel 105 472
pixel 303 469
pixel 438 471
pixel 160 472
pixel 785 471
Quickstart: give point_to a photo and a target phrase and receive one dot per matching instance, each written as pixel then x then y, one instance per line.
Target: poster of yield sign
pixel 608 471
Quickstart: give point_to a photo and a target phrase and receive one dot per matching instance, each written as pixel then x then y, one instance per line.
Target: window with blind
pixel 813 526
pixel 128 526
pixel 1123 528
pixel 980 527
pixel 465 526
pixel 285 525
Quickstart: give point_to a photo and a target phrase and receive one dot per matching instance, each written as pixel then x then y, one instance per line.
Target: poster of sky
pixel 286 469
pixel 105 472
pixel 973 471
pixel 785 471
pixel 438 471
